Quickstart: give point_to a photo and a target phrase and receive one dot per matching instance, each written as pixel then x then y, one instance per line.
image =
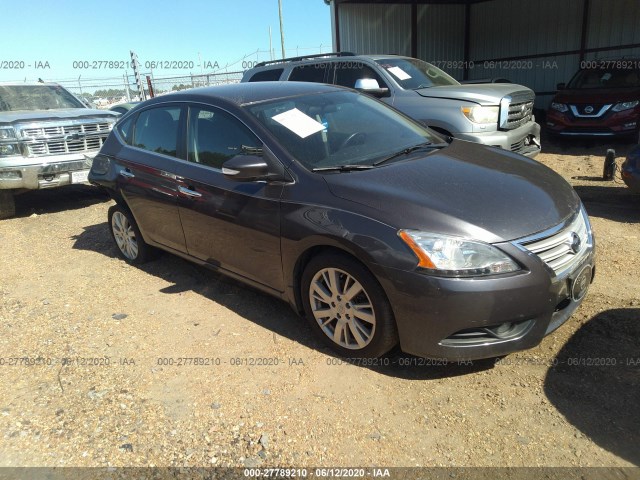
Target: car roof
pixel 247 93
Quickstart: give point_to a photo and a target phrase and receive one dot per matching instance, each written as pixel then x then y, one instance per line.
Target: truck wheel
pixel 7 204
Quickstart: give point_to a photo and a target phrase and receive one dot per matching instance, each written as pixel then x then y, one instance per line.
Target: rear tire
pixel 347 307
pixel 7 204
pixel 125 233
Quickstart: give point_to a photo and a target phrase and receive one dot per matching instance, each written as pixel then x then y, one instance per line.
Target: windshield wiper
pixel 342 168
pixel 408 150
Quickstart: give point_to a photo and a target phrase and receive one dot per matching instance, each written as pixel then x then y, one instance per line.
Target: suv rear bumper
pixel 19 173
pixel 524 140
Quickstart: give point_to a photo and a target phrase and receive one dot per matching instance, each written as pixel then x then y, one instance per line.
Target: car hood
pixel 464 189
pixel 46 115
pixel 484 93
pixel 597 95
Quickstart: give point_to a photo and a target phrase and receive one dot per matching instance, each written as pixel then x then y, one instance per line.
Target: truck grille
pixel 516 110
pixel 58 130
pixel 562 248
pixel 55 147
pixel 73 137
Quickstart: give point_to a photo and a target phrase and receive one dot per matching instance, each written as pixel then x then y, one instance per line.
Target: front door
pixel 233 225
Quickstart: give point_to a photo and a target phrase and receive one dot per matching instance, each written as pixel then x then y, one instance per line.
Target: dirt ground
pixel 170 364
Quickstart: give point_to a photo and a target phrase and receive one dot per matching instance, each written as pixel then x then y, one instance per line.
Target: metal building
pixel 535 43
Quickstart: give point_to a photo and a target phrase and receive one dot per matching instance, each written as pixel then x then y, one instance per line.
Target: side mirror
pixel 561 86
pixel 371 86
pixel 246 168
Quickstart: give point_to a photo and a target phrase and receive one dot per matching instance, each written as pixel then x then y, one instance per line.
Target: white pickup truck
pixel 48 138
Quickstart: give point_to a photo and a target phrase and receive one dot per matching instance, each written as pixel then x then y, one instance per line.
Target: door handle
pixel 126 173
pixel 189 192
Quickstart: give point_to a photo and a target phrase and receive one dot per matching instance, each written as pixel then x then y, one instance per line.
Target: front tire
pixel 7 204
pixel 347 307
pixel 125 233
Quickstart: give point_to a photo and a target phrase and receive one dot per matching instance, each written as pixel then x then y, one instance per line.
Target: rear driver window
pixel 157 130
pixel 126 131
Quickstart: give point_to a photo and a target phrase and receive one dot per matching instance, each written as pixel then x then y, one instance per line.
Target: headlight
pixel 7 133
pixel 456 257
pixel 622 106
pixel 560 107
pixel 9 149
pixel 481 114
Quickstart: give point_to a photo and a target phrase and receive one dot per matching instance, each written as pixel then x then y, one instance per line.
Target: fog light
pixel 10 175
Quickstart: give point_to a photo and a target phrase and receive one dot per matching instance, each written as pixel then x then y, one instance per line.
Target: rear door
pixel 230 224
pixel 147 175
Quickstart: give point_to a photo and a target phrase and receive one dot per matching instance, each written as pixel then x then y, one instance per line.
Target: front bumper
pixel 452 319
pixel 524 140
pixel 612 124
pixel 20 173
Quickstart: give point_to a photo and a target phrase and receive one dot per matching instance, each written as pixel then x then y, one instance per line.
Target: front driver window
pixel 215 136
pixel 347 73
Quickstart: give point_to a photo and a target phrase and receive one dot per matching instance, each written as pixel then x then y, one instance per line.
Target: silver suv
pixel 48 138
pixel 495 114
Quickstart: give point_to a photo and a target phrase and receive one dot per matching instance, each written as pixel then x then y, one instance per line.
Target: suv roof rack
pixel 304 57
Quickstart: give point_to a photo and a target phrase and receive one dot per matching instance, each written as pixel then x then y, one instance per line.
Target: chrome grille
pixel 57 130
pixel 516 110
pixel 76 136
pixel 55 147
pixel 558 249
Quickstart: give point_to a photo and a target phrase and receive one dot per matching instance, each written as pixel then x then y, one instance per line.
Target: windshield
pixel 412 73
pixel 605 78
pixel 339 128
pixel 36 97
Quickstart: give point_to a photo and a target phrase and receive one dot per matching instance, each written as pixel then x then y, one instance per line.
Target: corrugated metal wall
pixel 439 38
pixel 499 29
pixel 613 23
pixel 512 28
pixel 375 28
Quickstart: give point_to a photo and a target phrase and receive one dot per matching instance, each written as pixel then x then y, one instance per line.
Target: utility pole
pixel 281 27
pixel 125 77
pixel 270 45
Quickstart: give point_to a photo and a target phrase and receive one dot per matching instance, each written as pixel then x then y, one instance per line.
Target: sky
pixel 61 39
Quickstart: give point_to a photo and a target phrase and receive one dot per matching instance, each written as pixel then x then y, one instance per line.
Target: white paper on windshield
pixel 398 72
pixel 299 123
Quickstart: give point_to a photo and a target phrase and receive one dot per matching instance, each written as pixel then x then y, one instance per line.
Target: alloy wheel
pixel 342 308
pixel 124 235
